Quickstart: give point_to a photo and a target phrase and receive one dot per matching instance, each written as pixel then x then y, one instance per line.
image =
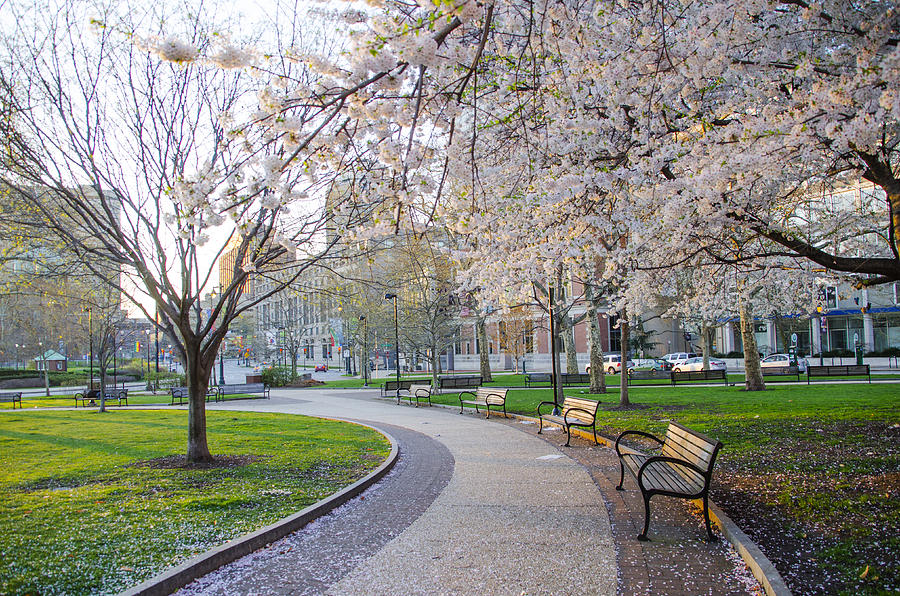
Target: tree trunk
pixel 623 380
pixel 197 377
pixel 752 369
pixel 483 350
pixel 598 375
pixel 705 343
pixel 102 386
pixel 435 364
pixel 569 346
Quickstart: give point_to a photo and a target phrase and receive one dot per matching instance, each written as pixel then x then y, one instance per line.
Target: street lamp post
pixel 364 359
pixel 17 356
pixel 390 296
pixel 147 332
pixel 91 344
pixel 554 361
pixel 156 340
pixel 222 362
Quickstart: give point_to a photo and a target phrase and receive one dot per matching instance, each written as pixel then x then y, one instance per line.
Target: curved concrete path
pixel 484 510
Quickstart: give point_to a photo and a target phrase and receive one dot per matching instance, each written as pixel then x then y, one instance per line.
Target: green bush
pixel 276 377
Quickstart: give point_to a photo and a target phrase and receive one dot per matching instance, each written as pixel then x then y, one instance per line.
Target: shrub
pixel 276 377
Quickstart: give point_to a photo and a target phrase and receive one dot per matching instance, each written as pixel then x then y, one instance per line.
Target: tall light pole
pixel 156 340
pixel 91 343
pixel 390 296
pixel 364 359
pixel 17 355
pixel 553 359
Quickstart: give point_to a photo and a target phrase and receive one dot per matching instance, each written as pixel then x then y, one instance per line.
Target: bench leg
pixel 541 427
pixel 643 535
pixel 568 435
pixel 709 533
pixel 621 475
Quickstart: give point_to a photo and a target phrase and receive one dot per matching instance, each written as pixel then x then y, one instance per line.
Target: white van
pixel 612 364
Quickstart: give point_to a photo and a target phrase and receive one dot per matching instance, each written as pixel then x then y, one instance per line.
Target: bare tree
pixel 133 164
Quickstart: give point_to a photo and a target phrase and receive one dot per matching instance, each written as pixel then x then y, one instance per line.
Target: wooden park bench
pixel 484 396
pixel 12 396
pixel 575 379
pixel 416 392
pixel 459 382
pixel 182 394
pixel 254 390
pixel 576 411
pixel 682 469
pixel 781 371
pixel 90 397
pixel 838 370
pixel 392 386
pixel 533 378
pixel 649 375
pixel 699 375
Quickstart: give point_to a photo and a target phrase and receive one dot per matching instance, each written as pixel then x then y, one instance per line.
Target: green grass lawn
pixel 95 503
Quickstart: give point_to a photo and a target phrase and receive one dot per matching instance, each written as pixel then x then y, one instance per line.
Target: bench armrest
pixel 423 392
pixel 635 432
pixel 461 393
pixel 670 460
pixel 546 403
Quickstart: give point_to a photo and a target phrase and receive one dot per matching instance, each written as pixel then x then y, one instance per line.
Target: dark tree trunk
pixel 752 368
pixel 197 371
pixel 483 350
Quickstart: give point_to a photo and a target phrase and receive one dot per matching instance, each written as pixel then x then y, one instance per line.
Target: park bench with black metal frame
pixel 459 382
pixel 682 469
pixel 484 396
pixel 576 411
pixel 12 396
pixel 393 385
pixel 838 370
pixel 649 375
pixel 254 390
pixel 533 378
pixel 781 371
pixel 415 392
pixel 182 394
pixel 91 396
pixel 575 379
pixel 699 375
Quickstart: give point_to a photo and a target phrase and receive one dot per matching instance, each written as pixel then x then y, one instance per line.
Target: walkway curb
pixel 761 567
pixel 178 577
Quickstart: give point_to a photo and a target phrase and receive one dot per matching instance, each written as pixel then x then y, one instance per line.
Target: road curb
pixel 178 577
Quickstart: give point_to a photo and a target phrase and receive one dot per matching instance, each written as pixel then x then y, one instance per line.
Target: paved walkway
pixel 476 507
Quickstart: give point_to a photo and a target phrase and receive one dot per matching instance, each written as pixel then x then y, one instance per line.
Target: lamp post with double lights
pixel 391 296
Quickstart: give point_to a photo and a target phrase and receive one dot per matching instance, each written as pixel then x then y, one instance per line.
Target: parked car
pixel 782 360
pixel 696 364
pixel 650 364
pixel 612 364
pixel 676 358
pixel 321 368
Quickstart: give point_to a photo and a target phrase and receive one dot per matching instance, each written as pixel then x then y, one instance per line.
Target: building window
pixel 615 334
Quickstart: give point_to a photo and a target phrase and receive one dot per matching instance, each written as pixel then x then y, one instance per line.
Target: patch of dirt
pixel 179 462
pixel 305 383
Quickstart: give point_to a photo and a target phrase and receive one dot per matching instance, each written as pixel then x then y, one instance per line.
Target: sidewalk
pixel 476 506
